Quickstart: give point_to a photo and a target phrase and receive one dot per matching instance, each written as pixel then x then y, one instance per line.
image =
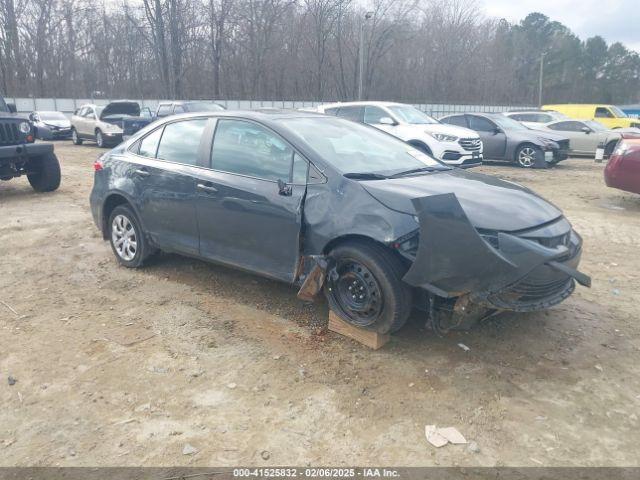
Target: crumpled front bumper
pixel 525 272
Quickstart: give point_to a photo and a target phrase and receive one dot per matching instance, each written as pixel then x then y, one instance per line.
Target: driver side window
pixel 246 148
pixel 372 115
pixel 603 112
pixel 481 124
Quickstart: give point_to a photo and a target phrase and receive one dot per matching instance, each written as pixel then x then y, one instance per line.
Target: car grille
pixel 470 144
pixel 563 144
pixel 554 242
pixel 9 133
pixel 530 292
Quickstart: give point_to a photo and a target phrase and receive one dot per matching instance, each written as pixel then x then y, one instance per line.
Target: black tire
pixel 75 138
pixel 100 139
pixel 142 248
pixel 45 173
pixel 524 152
pixel 379 266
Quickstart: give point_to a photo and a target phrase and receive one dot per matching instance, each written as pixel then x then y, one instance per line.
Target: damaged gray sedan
pixel 335 207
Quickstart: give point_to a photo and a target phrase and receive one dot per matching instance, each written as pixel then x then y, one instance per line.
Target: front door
pixel 494 139
pixel 249 205
pixel 165 174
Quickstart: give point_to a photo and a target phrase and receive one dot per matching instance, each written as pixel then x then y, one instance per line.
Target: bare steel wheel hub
pixel 357 293
pixel 124 237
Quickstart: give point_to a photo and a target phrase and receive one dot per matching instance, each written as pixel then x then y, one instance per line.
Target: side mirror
pixel 386 121
pixel 586 130
pixel 496 131
pixel 284 189
pixel 12 108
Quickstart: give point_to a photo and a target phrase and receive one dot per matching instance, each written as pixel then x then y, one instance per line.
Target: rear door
pixel 168 163
pixel 249 205
pixel 494 139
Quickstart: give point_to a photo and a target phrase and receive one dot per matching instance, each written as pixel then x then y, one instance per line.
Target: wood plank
pixel 368 338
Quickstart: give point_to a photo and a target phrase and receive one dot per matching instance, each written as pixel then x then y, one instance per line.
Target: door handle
pixel 206 188
pixel 142 172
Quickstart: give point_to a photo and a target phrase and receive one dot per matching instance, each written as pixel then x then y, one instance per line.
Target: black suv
pixel 19 155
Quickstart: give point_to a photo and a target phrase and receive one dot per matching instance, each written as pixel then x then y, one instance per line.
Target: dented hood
pixel 489 203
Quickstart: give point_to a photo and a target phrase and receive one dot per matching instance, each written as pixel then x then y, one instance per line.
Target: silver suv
pixel 102 124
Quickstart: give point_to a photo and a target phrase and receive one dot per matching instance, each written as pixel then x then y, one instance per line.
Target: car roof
pixel 257 115
pixel 361 104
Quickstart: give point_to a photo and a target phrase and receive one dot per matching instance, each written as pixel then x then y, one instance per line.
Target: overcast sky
pixel 614 20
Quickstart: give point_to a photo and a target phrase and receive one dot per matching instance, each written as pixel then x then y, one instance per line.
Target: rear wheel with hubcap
pixel 128 241
pixel 366 288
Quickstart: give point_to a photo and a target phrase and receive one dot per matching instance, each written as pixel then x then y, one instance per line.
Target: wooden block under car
pixel 371 339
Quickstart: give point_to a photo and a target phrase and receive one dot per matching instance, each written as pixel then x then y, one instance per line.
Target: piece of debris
pixel 265 454
pixel 231 385
pixel 599 368
pixel 452 434
pixel 464 347
pixel 411 384
pixel 439 437
pixel 473 447
pixel 143 407
pixel 12 381
pixel 615 291
pixel 8 442
pixel 189 450
pixel 277 357
pixel 433 437
pixel 9 307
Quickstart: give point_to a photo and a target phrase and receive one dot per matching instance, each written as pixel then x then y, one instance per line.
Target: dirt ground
pixel 233 365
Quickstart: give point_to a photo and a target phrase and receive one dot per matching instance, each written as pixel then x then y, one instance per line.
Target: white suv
pixel 453 145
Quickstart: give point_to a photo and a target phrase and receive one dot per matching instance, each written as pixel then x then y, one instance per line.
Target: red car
pixel 623 169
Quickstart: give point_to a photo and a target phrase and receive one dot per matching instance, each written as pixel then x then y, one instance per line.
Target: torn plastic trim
pixel 314 280
pixel 453 259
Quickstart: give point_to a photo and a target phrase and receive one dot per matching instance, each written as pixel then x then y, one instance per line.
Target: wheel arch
pixel 356 237
pixel 113 200
pixel 419 144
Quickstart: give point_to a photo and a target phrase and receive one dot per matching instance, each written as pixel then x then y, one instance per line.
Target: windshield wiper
pixel 365 176
pixel 417 170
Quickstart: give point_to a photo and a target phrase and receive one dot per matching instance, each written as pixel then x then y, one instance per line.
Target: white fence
pixel 69 105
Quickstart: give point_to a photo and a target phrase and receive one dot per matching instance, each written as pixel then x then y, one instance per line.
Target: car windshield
pixel 359 149
pixel 595 126
pixel 507 123
pixel 411 115
pixel 51 116
pixel 617 112
pixel 202 107
pixel 3 105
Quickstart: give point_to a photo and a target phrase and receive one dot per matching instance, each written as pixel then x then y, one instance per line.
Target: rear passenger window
pixel 246 148
pixel 149 144
pixel 351 113
pixel 456 120
pixel 180 141
pixel 567 126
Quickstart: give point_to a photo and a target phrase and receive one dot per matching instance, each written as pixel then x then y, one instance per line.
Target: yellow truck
pixel 608 115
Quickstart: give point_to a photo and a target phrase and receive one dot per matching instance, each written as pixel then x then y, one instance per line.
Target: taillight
pixel 97 165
